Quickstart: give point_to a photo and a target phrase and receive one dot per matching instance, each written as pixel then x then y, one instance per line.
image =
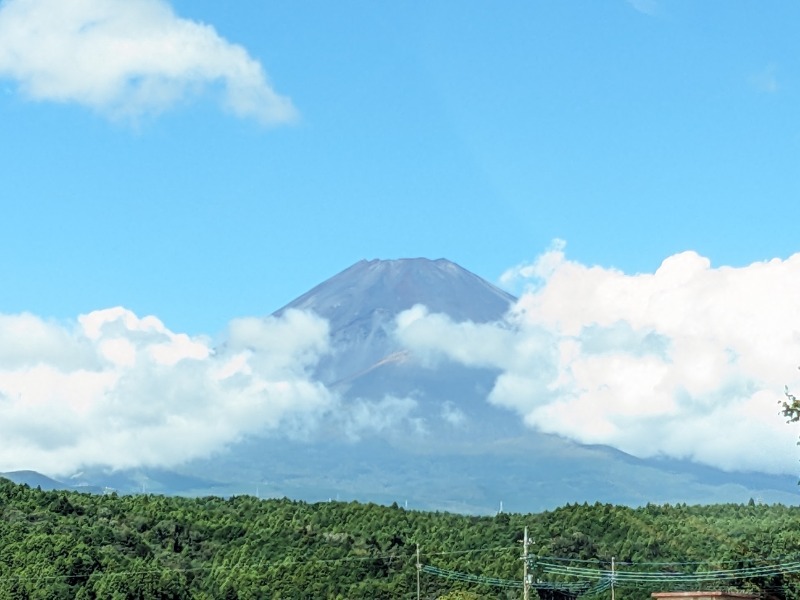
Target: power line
pixel 670 576
pixel 596 580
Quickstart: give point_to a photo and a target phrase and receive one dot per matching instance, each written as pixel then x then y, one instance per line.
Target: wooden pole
pixel 612 578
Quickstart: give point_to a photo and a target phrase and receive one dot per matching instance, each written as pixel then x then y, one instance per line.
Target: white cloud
pixel 429 334
pixel 453 416
pixel 123 391
pixel 127 58
pixel 391 416
pixel 539 269
pixel 687 362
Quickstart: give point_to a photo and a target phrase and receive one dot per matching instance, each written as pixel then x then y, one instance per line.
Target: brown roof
pixel 715 595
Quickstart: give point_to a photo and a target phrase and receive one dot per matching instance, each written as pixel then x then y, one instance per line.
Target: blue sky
pixel 172 170
pixel 632 130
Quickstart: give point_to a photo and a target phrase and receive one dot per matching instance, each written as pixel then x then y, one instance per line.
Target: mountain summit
pixel 362 302
pixel 379 287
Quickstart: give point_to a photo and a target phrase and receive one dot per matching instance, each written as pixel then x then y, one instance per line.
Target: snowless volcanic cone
pixel 362 302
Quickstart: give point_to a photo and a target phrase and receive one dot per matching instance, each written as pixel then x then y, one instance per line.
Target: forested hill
pixel 56 544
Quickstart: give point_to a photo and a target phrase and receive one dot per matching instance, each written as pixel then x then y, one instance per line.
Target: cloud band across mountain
pixel 687 362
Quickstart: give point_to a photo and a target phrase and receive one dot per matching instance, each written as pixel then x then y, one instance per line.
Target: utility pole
pixel 419 568
pixel 612 578
pixel 526 584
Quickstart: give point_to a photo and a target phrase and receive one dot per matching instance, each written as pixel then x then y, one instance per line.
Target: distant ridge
pixel 34 479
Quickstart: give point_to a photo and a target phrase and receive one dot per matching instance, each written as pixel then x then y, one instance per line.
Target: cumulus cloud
pixel 687 362
pixel 118 390
pixel 127 58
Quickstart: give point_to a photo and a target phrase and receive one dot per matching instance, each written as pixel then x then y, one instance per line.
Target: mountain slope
pixel 34 479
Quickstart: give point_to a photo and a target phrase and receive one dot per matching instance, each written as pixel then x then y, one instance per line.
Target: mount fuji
pixel 440 444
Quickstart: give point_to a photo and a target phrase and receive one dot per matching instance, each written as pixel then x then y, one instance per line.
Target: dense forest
pixel 56 544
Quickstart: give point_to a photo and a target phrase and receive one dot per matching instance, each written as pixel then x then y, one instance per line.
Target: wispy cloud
pixel 686 362
pixel 453 416
pixel 766 80
pixel 647 7
pixel 362 417
pixel 128 58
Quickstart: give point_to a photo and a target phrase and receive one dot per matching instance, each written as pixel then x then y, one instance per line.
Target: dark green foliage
pixel 68 545
pixel 790 408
